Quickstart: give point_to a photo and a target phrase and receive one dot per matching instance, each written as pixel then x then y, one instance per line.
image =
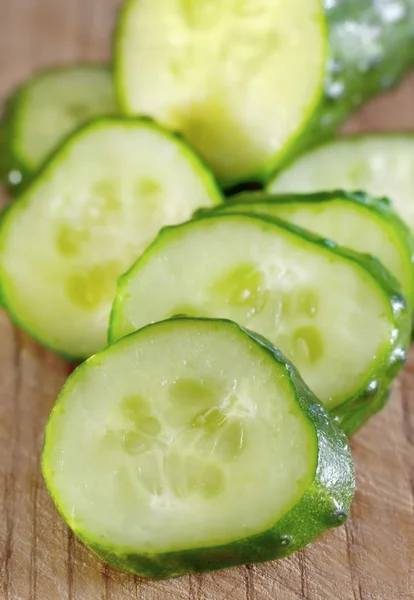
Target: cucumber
pixel 86 217
pixel 338 316
pixel 378 163
pixel 356 220
pixel 250 83
pixel 179 421
pixel 45 109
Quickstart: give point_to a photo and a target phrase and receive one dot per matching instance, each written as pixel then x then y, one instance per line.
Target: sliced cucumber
pixel 355 220
pixel 337 315
pixel 45 109
pixel 377 163
pixel 238 79
pixel 250 82
pixel 179 422
pixel 87 216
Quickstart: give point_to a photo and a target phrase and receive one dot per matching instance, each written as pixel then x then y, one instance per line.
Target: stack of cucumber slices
pixel 233 344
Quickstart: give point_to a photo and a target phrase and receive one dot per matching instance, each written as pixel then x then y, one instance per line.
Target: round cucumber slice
pixel 251 83
pixel 356 220
pixel 238 79
pixel 338 316
pixel 45 109
pixel 381 164
pixel 178 422
pixel 86 217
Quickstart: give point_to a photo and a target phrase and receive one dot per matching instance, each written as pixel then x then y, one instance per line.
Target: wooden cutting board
pixel 371 558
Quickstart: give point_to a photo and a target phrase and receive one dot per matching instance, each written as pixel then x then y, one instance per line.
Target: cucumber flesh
pixel 310 299
pixel 86 217
pixel 356 220
pixel 380 164
pixel 237 79
pixel 179 422
pixel 51 105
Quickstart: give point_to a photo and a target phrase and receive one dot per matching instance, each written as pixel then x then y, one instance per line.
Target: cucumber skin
pixel 9 157
pixel 359 78
pixel 325 504
pixel 352 414
pixel 8 160
pixel 383 207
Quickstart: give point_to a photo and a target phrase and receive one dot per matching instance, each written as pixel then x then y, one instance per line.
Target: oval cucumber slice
pixel 355 220
pixel 251 83
pixel 86 217
pixel 237 79
pixel 381 164
pixel 339 317
pixel 179 421
pixel 45 109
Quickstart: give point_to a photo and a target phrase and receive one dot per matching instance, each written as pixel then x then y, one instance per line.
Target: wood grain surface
pixel 371 558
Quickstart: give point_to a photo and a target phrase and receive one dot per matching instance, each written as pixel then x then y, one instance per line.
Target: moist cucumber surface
pixel 370 48
pixel 381 164
pixel 338 316
pixel 251 83
pixel 179 421
pixel 356 220
pixel 86 217
pixel 237 79
pixel 45 109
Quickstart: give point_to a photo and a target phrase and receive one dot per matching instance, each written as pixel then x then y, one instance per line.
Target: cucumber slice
pixel 338 316
pixel 87 216
pixel 179 421
pixel 250 83
pixel 237 79
pixel 45 109
pixel 377 163
pixel 355 220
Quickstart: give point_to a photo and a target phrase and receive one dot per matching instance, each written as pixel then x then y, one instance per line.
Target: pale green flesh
pixel 193 437
pixel 238 78
pixel 312 304
pixel 84 222
pixel 54 104
pixel 348 224
pixel 380 165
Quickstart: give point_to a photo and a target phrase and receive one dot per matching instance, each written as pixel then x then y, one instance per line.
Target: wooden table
pixel 371 558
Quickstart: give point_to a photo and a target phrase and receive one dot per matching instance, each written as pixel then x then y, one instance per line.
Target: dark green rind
pixel 353 76
pixel 357 414
pixel 367 398
pixel 10 159
pixel 382 207
pixel 9 162
pixel 324 505
pixel 44 172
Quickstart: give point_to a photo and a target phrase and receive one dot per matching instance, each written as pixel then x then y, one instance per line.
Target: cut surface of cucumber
pixel 179 422
pixel 251 83
pixel 237 79
pixel 381 164
pixel 339 317
pixel 86 217
pixel 49 106
pixel 356 220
